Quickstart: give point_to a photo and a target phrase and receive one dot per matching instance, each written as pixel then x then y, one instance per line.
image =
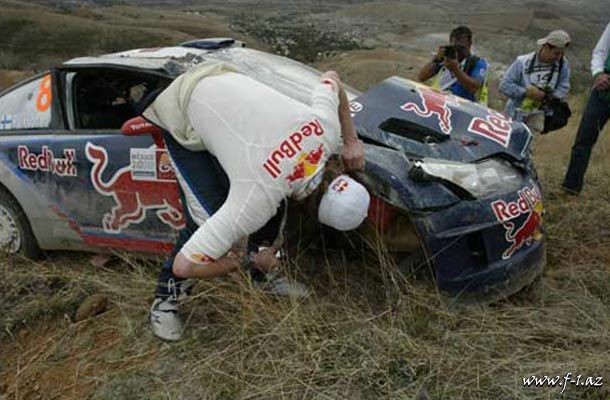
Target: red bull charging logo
pixel 529 203
pixel 307 164
pixel 133 197
pixel 433 103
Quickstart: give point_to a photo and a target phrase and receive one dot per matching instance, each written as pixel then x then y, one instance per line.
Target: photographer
pixel 456 70
pixel 536 83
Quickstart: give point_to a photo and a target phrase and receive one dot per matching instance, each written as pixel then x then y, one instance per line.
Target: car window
pixel 31 105
pixel 105 99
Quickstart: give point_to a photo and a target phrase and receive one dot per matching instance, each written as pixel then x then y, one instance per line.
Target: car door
pixel 119 199
pixel 31 161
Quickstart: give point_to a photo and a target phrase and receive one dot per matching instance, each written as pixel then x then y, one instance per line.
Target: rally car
pixel 448 177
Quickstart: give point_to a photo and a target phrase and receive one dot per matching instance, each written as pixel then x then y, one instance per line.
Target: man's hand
pixel 353 154
pixel 452 64
pixel 601 81
pixel 534 93
pixel 332 75
pixel 265 260
pixel 440 54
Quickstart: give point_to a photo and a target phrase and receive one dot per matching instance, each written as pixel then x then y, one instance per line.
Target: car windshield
pixel 287 76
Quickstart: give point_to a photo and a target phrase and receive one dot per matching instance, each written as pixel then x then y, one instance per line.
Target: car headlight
pixel 480 179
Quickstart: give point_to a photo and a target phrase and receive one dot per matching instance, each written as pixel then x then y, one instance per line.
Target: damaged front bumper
pixel 485 248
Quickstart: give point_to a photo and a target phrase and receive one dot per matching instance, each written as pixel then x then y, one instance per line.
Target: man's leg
pixel 594 117
pixel 203 189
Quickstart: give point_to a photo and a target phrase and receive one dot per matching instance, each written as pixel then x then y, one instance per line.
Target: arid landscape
pixel 367 332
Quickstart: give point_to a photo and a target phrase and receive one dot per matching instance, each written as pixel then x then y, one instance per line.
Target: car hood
pixel 411 117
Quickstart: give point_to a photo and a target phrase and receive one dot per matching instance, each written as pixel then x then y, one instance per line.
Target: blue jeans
pixel 594 117
pixel 200 174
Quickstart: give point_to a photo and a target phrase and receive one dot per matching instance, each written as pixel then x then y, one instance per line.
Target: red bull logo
pixel 134 197
pixel 433 103
pixel 290 147
pixel 307 164
pixel 529 203
pixel 46 161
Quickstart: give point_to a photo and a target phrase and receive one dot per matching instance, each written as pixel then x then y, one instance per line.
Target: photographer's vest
pixel 481 96
pixel 529 104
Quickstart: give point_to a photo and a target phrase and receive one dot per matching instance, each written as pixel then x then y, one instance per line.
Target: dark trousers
pixel 594 117
pixel 201 174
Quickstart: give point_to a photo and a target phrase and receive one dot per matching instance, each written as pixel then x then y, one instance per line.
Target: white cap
pixel 556 38
pixel 344 205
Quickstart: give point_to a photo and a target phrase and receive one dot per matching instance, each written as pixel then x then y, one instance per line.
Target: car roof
pixel 172 60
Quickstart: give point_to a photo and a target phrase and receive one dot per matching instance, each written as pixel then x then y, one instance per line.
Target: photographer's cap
pixel 558 38
pixel 344 205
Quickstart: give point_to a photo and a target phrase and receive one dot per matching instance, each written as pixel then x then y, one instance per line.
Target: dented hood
pixel 413 118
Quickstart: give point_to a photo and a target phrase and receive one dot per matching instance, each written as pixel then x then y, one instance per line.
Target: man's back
pixel 258 133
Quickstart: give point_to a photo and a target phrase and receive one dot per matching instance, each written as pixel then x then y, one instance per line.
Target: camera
pixel 450 51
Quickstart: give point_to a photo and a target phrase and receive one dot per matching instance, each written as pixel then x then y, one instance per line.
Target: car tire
pixel 16 236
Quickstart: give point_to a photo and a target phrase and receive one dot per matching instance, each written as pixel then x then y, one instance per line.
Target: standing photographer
pixel 536 82
pixel 456 70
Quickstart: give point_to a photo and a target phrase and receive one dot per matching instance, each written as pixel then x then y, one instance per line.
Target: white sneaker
pixel 164 320
pixel 277 285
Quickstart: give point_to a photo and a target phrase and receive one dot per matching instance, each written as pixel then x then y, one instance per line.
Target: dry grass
pixel 366 332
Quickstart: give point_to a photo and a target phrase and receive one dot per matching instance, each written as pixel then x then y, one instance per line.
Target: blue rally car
pixel 449 178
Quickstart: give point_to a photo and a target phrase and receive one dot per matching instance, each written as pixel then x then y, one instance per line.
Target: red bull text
pixel 290 147
pixel 47 162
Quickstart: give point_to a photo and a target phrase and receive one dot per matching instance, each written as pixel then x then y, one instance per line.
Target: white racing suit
pixel 251 140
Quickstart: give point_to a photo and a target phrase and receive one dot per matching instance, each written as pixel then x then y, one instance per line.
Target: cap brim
pixel 541 42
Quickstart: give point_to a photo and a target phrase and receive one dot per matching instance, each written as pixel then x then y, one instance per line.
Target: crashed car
pixel 448 177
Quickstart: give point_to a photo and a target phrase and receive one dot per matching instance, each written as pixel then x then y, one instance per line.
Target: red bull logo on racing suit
pixel 529 203
pixel 433 103
pixel 307 164
pixel 291 148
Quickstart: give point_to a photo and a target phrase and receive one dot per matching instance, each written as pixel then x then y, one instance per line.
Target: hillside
pixel 367 331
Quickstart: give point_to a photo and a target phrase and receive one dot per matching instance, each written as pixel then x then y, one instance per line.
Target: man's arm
pixel 601 80
pixel 563 83
pixel 211 250
pixel 470 83
pixel 432 68
pixel 511 84
pixel 600 53
pixel 353 148
pixel 184 267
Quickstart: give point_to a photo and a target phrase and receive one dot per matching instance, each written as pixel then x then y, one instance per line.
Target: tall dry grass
pixel 366 331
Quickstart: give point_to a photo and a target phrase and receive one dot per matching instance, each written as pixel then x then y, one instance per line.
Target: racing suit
pixel 270 146
pixel 256 148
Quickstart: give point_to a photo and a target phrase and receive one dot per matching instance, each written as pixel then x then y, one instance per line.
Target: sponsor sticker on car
pixel 46 161
pixel 433 103
pixel 528 204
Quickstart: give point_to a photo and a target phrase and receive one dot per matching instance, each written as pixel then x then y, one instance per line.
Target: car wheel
pixel 16 236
